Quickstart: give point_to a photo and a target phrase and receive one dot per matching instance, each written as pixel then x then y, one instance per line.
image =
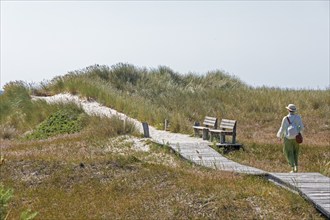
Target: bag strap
pixel 288 120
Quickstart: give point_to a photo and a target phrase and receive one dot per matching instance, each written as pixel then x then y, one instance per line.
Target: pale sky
pixel 264 43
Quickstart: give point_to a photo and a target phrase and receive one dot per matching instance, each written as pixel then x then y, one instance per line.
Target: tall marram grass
pixel 17 112
pixel 153 95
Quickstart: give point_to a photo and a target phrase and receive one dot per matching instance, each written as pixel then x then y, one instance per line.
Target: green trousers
pixel 291 151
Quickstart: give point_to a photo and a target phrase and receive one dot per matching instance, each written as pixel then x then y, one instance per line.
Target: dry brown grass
pixel 74 177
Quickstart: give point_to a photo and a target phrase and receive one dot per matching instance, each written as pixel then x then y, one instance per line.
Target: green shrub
pixel 66 121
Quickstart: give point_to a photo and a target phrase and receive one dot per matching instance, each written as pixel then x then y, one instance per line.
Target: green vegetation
pixel 88 167
pixel 61 122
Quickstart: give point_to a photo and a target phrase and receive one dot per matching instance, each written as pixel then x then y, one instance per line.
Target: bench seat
pixel 227 128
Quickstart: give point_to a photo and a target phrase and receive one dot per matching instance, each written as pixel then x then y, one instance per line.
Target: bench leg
pixel 234 139
pixel 222 139
pixel 212 136
pixel 196 132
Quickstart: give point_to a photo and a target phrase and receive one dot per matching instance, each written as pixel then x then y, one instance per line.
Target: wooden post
pixel 145 129
pixel 205 134
pixel 165 124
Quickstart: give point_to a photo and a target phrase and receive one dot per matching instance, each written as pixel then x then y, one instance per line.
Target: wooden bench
pixel 208 123
pixel 227 128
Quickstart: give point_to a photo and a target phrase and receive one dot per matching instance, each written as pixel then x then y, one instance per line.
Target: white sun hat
pixel 291 108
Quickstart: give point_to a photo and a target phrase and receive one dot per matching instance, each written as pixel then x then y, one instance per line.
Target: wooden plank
pixel 306 178
pixel 298 174
pixel 225 123
pixel 312 185
pixel 222 124
pixel 309 180
pixel 209 124
pixel 320 195
pixel 321 200
pixel 210 118
pixel 199 127
pixel 221 131
pixel 216 130
pixel 198 152
pixel 226 127
pixel 324 206
pixel 315 191
pixel 228 120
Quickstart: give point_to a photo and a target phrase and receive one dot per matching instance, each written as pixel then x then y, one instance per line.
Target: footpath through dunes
pixel 312 186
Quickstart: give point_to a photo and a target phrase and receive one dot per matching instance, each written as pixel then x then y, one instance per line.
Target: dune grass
pixel 154 95
pixel 96 172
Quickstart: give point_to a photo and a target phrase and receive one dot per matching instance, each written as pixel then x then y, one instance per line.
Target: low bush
pixel 66 121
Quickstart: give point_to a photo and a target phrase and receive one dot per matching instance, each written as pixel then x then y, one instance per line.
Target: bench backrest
pixel 227 124
pixel 210 122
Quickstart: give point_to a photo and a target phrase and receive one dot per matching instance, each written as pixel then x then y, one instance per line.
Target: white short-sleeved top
pixel 294 119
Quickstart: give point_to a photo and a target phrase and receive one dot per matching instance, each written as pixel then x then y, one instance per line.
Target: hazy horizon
pixel 283 44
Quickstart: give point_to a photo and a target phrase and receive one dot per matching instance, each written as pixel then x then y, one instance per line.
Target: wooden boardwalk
pixel 312 186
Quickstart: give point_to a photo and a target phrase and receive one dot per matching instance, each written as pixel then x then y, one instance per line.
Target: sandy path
pixel 94 108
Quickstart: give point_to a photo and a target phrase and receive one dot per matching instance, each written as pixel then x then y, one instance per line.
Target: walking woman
pixel 290 127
